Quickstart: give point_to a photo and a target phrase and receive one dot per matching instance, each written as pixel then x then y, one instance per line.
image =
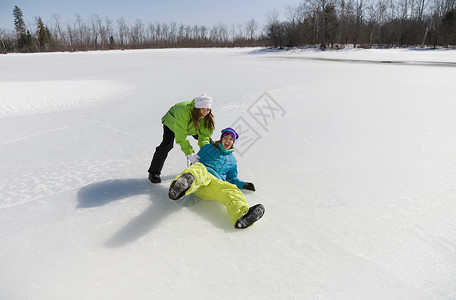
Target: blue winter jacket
pixel 221 164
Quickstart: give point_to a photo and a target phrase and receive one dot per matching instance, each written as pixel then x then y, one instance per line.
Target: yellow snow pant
pixel 208 187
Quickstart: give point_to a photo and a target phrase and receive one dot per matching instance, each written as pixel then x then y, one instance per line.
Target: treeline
pixel 379 23
pixel 98 33
pixel 326 23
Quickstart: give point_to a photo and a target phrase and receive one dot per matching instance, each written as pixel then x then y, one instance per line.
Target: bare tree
pixel 109 32
pixel 72 35
pixel 137 34
pixel 251 28
pixel 165 33
pixel 59 33
pixel 376 12
pixel 4 49
pixel 94 31
pixel 123 32
pixel 358 21
pixel 421 7
pixel 274 28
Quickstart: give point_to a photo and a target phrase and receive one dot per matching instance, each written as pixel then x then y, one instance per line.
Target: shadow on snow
pixel 101 193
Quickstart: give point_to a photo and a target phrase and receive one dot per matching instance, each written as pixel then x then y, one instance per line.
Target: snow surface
pixel 355 165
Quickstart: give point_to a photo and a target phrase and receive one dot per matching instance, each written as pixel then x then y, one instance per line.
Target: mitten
pixel 193 158
pixel 249 186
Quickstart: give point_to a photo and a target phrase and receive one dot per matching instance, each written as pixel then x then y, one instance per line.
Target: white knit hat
pixel 203 101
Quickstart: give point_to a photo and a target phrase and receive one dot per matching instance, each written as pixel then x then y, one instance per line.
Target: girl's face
pixel 227 141
pixel 204 112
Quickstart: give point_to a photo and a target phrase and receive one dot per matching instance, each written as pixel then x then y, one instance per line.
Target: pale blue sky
pixel 189 12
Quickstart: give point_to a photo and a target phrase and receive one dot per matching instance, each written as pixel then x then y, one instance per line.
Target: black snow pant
pixel 161 152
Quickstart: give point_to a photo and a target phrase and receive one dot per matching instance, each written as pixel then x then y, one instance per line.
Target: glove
pixel 249 186
pixel 193 158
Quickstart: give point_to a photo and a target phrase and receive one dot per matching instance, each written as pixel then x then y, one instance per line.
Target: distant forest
pixel 321 23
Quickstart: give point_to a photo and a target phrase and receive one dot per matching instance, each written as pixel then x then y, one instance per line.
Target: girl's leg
pixel 227 194
pixel 206 186
pixel 161 152
pixel 200 177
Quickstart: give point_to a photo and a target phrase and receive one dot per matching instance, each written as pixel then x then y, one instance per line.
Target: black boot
pixel 253 215
pixel 154 178
pixel 180 186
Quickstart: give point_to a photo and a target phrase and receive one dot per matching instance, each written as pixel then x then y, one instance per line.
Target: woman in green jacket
pixel 183 119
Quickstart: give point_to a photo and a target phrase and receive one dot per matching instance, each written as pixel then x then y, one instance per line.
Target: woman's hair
pixel 208 119
pixel 217 144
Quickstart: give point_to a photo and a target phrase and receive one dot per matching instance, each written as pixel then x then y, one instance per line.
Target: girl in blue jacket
pixel 215 177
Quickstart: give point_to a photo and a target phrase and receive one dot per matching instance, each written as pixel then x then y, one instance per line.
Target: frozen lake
pixel 352 154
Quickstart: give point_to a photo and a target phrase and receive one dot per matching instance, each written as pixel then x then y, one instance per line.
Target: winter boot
pixel 154 177
pixel 180 186
pixel 253 215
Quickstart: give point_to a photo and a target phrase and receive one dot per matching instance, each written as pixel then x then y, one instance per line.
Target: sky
pixel 188 12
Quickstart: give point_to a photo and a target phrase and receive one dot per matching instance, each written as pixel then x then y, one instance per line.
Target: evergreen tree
pixel 24 37
pixel 25 42
pixel 112 42
pixel 19 21
pixel 44 35
pixel 449 27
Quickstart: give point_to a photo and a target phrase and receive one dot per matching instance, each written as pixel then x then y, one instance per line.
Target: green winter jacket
pixel 178 119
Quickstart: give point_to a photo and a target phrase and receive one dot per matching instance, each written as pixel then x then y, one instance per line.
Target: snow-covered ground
pixel 354 161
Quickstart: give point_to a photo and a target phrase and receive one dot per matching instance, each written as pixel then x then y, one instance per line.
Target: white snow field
pixel 353 155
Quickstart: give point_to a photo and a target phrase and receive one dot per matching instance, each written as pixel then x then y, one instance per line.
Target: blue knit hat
pixel 231 132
